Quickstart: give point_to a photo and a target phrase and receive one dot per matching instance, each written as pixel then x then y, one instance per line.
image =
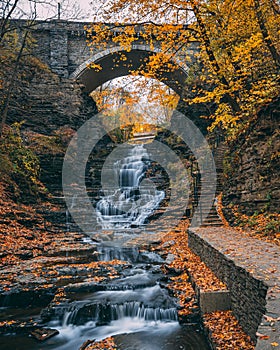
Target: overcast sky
pixel 48 9
pixel 93 10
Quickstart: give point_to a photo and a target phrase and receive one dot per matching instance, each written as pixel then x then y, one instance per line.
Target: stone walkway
pixel 251 269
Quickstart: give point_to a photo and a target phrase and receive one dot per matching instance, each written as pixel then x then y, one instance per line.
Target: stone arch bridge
pixel 62 46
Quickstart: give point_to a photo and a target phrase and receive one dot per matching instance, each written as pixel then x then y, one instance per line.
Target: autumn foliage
pixel 106 344
pixel 265 226
pixel 225 331
pixel 237 68
pixel 186 260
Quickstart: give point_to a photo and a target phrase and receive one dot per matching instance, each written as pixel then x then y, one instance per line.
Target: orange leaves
pixel 225 331
pixel 7 323
pixel 125 38
pixel 186 260
pixel 114 262
pixel 106 344
pixel 263 226
pixel 184 292
pixel 187 264
pixel 134 100
pixel 32 257
pixel 219 209
pixel 262 336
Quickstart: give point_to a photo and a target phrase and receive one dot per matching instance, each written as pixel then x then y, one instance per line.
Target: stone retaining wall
pixel 250 269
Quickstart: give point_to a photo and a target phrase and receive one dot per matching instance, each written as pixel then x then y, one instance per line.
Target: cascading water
pixel 131 204
pixel 135 307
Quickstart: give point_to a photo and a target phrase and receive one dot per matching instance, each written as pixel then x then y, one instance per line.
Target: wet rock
pixel 156 269
pixel 150 257
pixel 25 255
pixel 163 281
pixel 174 338
pixel 17 327
pixel 193 317
pixel 84 287
pixel 85 344
pixel 43 334
pixel 173 271
pixel 170 258
pixel 23 298
pixel 168 244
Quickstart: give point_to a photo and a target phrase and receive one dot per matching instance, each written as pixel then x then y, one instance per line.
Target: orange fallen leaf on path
pixel 262 336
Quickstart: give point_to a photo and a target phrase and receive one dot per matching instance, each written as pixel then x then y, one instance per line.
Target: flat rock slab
pixel 162 339
pixel 43 334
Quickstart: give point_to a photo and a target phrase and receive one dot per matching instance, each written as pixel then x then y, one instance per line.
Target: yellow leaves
pixel 159 62
pixel 143 128
pixel 234 53
pixel 7 323
pixel 95 66
pixel 244 50
pixel 125 37
pixel 224 117
pixel 274 344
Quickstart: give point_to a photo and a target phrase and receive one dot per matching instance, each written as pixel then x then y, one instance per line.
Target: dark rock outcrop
pixel 252 165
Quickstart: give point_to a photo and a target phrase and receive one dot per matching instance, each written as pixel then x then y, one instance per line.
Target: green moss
pixel 19 166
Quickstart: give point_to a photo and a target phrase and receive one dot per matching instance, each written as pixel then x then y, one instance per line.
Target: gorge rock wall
pixel 51 109
pixel 251 165
pixel 48 102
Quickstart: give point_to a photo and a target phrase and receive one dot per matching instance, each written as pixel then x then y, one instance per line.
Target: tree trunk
pixel 5 20
pixel 260 18
pixel 227 97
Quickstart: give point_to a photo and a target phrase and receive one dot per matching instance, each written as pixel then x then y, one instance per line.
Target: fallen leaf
pixel 262 336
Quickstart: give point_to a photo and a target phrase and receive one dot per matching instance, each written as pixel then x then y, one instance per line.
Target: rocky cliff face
pixel 52 110
pixel 252 167
pixel 48 102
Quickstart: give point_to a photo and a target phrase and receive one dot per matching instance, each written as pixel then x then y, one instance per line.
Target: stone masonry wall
pixel 248 294
pixel 251 270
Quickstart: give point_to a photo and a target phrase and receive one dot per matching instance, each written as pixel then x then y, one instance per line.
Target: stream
pixel 136 307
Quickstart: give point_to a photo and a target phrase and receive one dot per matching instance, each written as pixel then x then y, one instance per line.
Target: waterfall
pixel 132 203
pixel 109 312
pixel 138 310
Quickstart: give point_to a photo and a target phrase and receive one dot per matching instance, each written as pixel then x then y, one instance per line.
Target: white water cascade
pixel 135 199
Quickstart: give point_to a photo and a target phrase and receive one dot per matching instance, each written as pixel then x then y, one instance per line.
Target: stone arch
pixel 91 78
